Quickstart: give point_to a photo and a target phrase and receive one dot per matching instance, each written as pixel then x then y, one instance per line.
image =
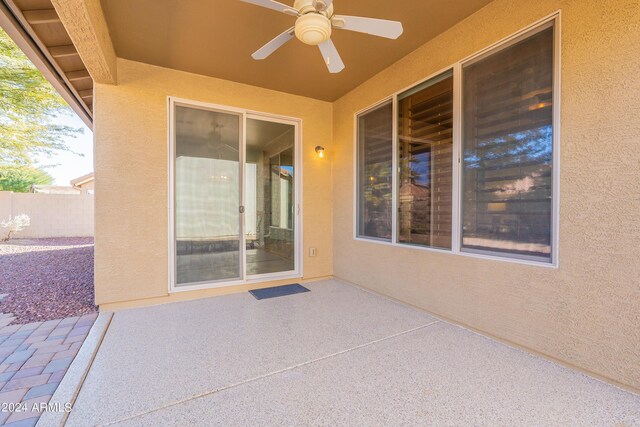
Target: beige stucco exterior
pixel 584 313
pixel 587 312
pixel 130 128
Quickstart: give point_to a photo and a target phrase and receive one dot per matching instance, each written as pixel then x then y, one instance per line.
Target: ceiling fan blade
pixel 322 5
pixel 373 26
pixel 274 44
pixel 274 5
pixel 331 56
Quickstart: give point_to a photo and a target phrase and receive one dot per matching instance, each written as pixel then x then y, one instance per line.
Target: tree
pixel 29 107
pixel 19 178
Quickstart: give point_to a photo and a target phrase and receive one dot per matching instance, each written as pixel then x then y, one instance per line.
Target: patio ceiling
pixel 216 38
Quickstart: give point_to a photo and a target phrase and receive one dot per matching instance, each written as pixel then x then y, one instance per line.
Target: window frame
pixel 454 154
pixel 356 157
pixel 553 19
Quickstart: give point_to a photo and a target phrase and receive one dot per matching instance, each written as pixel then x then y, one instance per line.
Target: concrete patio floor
pixel 334 356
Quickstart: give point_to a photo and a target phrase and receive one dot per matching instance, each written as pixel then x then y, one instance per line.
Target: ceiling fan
pixel 315 20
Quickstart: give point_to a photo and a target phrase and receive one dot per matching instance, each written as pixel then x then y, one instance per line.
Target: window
pixel 507 143
pixel 425 153
pixel 375 154
pixel 471 168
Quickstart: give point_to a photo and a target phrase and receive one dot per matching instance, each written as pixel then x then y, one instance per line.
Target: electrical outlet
pixel 313 251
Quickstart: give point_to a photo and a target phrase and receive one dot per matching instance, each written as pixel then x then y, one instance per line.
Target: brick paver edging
pixel 34 358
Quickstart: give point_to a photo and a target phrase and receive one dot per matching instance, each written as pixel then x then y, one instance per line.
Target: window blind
pixel 375 154
pixel 425 145
pixel 507 184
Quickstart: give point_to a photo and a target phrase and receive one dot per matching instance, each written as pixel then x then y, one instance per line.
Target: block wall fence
pixel 52 215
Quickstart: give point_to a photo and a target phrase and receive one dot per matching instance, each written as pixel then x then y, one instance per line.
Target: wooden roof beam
pixel 41 16
pixel 85 23
pixel 61 51
pixel 73 76
pixel 85 94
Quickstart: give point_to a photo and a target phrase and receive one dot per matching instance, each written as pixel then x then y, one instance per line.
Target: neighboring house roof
pixel 53 189
pixel 417 191
pixel 82 180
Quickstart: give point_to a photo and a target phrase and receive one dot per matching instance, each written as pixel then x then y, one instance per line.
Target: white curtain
pixel 207 198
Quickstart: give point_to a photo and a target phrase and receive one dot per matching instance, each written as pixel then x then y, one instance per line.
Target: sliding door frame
pixel 297 223
pixel 244 115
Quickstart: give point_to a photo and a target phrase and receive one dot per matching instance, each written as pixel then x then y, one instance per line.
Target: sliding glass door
pixel 270 197
pixel 207 195
pixel 234 194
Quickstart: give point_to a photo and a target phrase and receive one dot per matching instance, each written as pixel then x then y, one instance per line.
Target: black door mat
pixel 278 291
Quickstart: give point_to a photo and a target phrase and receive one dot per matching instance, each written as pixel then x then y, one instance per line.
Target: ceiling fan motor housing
pixel 312 27
pixel 306 6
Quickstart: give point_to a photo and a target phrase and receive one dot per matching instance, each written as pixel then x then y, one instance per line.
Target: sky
pixel 65 166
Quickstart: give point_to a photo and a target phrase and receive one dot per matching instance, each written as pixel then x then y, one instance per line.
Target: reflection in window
pixel 508 150
pixel 425 153
pixel 281 166
pixel 270 197
pixel 375 153
pixel 207 195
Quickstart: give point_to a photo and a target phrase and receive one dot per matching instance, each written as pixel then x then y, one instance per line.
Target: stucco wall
pixel 131 169
pixel 586 312
pixel 51 215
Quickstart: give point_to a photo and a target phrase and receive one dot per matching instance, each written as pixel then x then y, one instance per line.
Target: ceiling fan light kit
pixel 313 29
pixel 314 24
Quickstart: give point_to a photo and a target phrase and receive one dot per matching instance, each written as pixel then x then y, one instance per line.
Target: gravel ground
pixel 46 278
